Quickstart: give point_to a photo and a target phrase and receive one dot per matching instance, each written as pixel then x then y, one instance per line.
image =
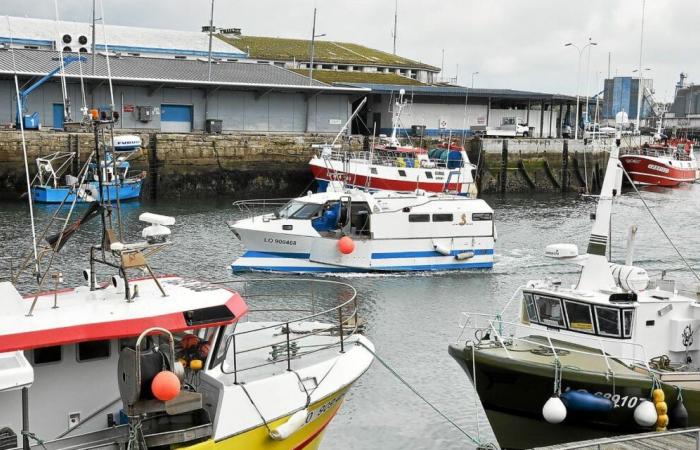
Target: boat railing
pixel 254 207
pixel 679 155
pixel 300 311
pixel 401 162
pixel 505 334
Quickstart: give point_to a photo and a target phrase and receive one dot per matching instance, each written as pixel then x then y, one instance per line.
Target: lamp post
pixel 313 44
pixel 578 78
pixel 473 74
pixel 211 33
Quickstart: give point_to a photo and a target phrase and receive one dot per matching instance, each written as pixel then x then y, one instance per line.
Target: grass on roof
pixel 337 76
pixel 324 51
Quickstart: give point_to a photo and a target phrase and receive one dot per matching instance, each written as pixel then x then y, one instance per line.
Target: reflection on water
pixel 410 317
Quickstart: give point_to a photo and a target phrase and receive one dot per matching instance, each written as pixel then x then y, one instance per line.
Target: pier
pixel 685 439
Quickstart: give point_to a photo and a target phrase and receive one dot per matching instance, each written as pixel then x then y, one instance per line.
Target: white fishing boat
pixel 165 361
pixel 350 230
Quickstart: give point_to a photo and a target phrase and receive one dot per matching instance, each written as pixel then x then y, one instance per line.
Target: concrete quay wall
pixel 274 165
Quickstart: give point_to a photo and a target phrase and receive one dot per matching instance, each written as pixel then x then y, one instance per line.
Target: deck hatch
pixel 212 314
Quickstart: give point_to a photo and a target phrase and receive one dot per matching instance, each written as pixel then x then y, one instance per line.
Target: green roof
pixel 339 76
pixel 324 52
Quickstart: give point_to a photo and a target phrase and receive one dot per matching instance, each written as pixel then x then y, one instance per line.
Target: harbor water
pixel 410 318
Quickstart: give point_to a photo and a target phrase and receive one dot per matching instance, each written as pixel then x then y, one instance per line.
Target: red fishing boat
pixel 667 163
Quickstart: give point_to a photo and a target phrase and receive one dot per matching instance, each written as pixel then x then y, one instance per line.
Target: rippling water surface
pixel 411 318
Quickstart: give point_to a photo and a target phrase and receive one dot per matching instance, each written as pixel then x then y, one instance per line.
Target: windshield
pixel 299 210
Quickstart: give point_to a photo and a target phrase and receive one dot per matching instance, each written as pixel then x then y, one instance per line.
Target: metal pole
pixel 396 20
pixel 639 88
pixel 588 68
pixel 311 61
pixel 578 79
pixel 93 37
pixel 211 33
pixel 25 418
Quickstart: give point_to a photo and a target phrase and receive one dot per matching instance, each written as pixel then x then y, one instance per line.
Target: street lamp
pixel 578 77
pixel 313 43
pixel 473 74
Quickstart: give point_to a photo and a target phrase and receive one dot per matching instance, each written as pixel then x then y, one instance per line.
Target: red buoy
pixel 346 245
pixel 165 386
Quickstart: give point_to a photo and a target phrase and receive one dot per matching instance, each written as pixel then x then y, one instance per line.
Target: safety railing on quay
pixel 609 442
pixel 496 326
pixel 329 305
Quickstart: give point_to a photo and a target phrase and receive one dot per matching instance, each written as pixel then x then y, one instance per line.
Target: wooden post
pixel 504 166
pixel 565 166
pixel 541 119
pixel 153 165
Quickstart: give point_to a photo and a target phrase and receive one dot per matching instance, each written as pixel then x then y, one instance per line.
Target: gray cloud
pixel 512 43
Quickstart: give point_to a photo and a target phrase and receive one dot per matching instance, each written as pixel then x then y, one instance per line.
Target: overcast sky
pixel 515 44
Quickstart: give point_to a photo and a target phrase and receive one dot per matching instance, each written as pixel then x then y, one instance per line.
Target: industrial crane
pixel 32 121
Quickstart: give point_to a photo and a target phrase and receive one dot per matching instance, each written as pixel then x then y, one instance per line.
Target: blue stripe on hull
pixel 414 268
pixel 254 254
pixel 386 255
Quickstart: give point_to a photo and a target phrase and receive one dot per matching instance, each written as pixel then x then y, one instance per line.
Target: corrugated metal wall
pixel 239 110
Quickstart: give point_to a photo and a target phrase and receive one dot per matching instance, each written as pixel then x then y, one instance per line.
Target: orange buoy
pixel 346 245
pixel 165 386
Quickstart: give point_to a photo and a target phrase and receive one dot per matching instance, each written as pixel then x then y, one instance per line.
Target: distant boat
pixel 394 166
pixel 48 187
pixel 665 163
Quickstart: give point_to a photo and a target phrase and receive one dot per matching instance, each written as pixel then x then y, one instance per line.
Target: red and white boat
pixel 667 163
pixel 396 167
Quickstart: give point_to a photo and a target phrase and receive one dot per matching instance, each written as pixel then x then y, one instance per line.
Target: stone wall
pixel 240 165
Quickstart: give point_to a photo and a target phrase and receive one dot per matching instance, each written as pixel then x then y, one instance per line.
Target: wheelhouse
pixel 607 320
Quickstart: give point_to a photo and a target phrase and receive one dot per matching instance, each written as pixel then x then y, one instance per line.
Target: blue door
pixel 176 118
pixel 58 116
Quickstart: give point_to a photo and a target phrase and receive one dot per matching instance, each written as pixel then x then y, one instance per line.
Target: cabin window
pixel 530 306
pixel 627 321
pixel 442 217
pixel 299 210
pixel 46 355
pixel 477 217
pixel 608 321
pixel 87 351
pixel 429 175
pixel 402 173
pixel 579 315
pixel 373 170
pixel 550 311
pixel 419 217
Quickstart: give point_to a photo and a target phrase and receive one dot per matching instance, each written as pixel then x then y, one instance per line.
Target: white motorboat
pixel 350 230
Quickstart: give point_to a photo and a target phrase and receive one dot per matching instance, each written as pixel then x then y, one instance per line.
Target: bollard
pixel 504 166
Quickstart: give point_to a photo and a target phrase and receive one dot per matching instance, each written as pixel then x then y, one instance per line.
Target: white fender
pixel 645 414
pixel 295 422
pixel 554 410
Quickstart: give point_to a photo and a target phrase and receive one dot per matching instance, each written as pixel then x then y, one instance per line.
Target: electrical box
pixel 144 113
pixel 213 126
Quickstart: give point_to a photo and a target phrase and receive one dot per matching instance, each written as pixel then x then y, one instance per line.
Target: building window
pixel 442 217
pixel 418 218
pixel 47 355
pixel 88 351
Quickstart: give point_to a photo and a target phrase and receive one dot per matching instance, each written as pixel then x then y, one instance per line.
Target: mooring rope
pixel 475 441
pixel 670 241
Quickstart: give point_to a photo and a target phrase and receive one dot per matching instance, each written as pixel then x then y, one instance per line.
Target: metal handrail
pixel 595 340
pixel 659 153
pixel 600 443
pixel 334 317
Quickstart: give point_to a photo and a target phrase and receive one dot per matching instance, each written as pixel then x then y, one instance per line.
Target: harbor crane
pixel 33 121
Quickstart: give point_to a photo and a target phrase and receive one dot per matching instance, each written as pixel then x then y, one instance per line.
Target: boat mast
pixel 641 75
pixel 396 21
